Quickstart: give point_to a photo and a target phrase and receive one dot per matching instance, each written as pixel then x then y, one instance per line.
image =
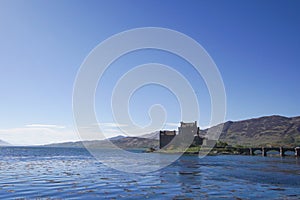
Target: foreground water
pixel 72 173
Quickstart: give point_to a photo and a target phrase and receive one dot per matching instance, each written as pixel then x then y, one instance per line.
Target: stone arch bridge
pixel 265 150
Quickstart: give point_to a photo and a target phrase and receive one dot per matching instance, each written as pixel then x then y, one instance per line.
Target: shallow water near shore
pixel 62 173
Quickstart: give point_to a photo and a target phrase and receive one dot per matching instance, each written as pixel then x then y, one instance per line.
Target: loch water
pixel 72 173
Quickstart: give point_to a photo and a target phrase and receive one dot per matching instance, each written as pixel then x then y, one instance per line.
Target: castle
pixel 165 137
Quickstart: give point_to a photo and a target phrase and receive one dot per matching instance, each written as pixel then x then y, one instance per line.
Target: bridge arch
pixel 273 151
pixel 289 152
pixel 256 151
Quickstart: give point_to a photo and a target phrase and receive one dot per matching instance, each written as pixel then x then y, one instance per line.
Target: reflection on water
pixel 74 173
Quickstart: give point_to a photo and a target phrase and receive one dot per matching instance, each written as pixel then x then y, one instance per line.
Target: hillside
pixel 122 142
pixel 3 143
pixel 272 130
pixel 153 135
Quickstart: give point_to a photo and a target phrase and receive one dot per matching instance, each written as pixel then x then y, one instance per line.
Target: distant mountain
pixel 117 137
pixel 78 144
pixel 272 130
pixel 3 143
pixel 153 135
pixel 136 142
pixel 122 142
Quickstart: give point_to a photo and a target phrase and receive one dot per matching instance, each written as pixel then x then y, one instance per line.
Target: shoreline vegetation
pixel 213 152
pixel 221 148
pixel 195 151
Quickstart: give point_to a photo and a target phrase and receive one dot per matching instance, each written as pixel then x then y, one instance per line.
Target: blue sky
pixel 255 44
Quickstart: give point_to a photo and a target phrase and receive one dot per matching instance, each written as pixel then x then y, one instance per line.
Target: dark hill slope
pixel 272 130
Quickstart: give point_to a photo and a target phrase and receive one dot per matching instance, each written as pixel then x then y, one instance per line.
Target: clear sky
pixel 255 44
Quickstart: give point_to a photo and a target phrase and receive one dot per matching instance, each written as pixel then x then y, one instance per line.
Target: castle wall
pixel 186 132
pixel 165 137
